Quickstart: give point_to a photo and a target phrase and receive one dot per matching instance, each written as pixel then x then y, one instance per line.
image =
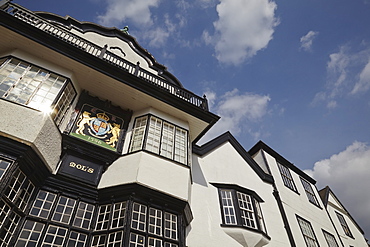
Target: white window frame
pixel 161 137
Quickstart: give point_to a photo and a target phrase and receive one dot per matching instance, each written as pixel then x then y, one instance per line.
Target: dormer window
pixel 158 136
pixel 35 87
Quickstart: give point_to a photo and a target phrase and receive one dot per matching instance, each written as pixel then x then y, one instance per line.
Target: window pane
pixel 307 232
pixel 9 228
pixel 119 213
pixel 246 210
pixel 115 239
pixel 83 215
pixel 154 242
pixel 15 185
pixel 330 239
pixel 42 205
pixel 99 241
pixel 4 211
pixel 103 217
pixel 63 103
pixel 30 85
pixel 138 220
pixel 77 239
pixel 137 240
pixel 64 209
pixel 154 135
pixel 181 146
pixel 287 177
pixel 167 142
pixel 30 234
pixel 155 221
pixel 170 226
pixel 309 192
pixel 344 224
pixel 228 207
pixel 4 164
pixel 138 134
pixel 54 236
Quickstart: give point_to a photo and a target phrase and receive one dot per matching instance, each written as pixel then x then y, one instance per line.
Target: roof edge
pixel 328 191
pixel 85 26
pixel 228 137
pixel 261 145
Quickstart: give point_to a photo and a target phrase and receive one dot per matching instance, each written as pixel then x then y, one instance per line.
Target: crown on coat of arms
pixel 102 116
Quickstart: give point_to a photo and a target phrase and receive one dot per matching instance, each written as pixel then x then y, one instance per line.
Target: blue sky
pixel 294 74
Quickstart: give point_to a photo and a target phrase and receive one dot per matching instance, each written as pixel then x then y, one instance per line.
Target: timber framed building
pixel 98 148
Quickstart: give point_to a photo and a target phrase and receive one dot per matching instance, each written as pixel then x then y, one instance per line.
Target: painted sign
pixel 99 127
pixel 80 169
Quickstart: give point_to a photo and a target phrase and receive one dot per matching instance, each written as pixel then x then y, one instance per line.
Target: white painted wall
pixel 298 204
pixel 32 128
pixel 225 165
pixel 358 239
pixel 151 171
pixel 127 47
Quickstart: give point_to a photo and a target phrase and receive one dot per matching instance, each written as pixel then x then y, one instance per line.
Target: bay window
pixel 240 207
pixel 35 87
pixel 158 136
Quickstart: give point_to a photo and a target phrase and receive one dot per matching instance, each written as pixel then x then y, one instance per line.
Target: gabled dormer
pixel 349 231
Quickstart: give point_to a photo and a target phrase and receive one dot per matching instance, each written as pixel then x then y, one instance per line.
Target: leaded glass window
pixel 43 203
pixel 137 240
pixel 35 87
pixel 138 217
pixel 308 233
pixel 246 210
pixel 64 209
pixel 344 225
pixel 228 207
pixel 119 213
pixel 9 228
pixel 103 217
pixel 4 165
pixel 83 215
pixel 54 236
pixel 309 192
pixel 160 137
pixel 77 239
pixel 30 234
pixel 287 177
pixel 241 207
pixel 330 239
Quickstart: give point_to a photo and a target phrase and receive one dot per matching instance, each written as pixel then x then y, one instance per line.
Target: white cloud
pixel 306 41
pixel 348 73
pixel 347 174
pixel 237 110
pixel 244 27
pixel 137 11
pixel 363 84
pixel 156 37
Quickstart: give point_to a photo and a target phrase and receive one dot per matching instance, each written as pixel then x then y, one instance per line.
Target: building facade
pixel 98 148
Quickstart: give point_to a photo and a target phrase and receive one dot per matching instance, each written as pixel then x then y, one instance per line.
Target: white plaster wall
pixel 298 204
pixel 358 239
pixel 151 171
pixel 131 54
pixel 224 165
pixel 33 128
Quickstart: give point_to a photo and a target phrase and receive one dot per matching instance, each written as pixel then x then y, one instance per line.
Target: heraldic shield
pixel 97 126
